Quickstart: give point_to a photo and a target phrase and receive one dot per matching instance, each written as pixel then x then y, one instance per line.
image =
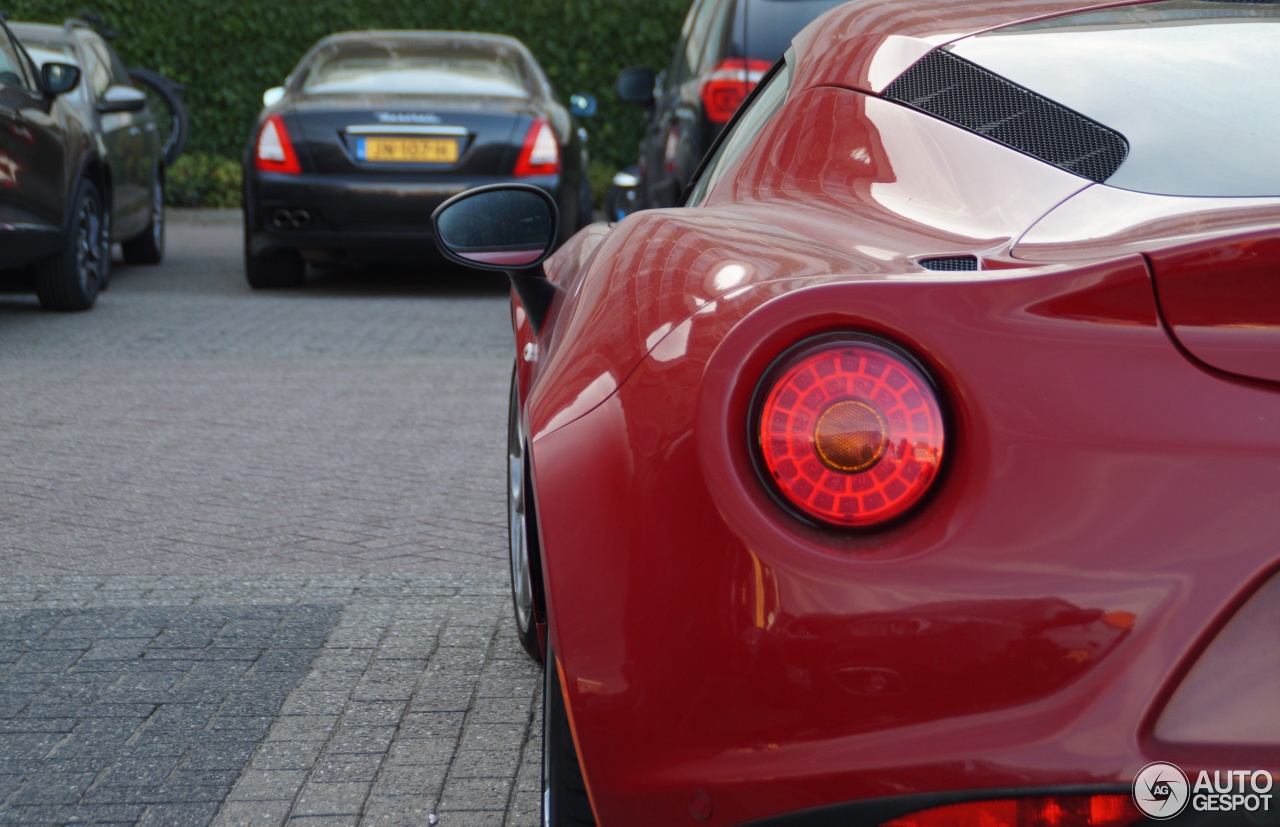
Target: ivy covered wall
pixel 226 52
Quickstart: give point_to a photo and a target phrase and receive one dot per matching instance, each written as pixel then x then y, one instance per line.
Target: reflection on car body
pixel 920 471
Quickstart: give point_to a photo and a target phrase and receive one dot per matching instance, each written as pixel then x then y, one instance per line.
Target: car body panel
pixel 868 46
pixel 1104 510
pixel 43 147
pixel 753 597
pixel 665 265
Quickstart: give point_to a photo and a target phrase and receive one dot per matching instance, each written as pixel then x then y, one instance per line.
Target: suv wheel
pixel 70 279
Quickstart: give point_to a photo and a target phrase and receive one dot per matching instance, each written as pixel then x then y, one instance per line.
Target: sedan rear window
pixel 415 68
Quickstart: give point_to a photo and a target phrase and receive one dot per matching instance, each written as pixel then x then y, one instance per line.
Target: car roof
pixel 48 31
pixel 423 35
pixel 867 44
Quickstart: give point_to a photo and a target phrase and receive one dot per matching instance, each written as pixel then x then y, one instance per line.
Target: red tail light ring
pixel 850 433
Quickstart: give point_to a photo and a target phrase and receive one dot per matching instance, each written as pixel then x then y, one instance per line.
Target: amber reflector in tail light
pixel 1045 811
pixel 850 432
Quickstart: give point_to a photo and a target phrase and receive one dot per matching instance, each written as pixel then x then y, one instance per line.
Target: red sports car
pixel 924 468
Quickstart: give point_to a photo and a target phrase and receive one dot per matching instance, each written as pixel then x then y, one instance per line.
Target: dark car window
pixel 97 73
pixel 769 97
pixel 13 68
pixel 688 56
pixel 763 29
pixel 425 67
pixel 716 37
pixel 1189 85
pixel 118 74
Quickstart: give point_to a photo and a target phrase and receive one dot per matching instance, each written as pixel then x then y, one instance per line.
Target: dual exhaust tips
pixel 290 219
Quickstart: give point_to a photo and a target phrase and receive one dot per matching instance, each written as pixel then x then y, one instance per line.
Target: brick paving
pixel 252 552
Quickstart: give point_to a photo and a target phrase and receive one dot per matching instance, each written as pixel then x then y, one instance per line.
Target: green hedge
pixel 227 52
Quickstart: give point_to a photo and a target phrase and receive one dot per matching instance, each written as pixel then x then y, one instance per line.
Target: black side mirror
pixel 635 85
pixel 59 78
pixel 508 227
pixel 497 227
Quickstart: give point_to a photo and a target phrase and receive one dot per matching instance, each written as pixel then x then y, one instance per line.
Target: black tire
pixel 148 247
pixel 274 269
pixel 565 802
pixel 70 279
pixel 526 573
pixel 166 104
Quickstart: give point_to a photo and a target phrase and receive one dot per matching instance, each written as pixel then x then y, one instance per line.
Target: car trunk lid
pixel 372 136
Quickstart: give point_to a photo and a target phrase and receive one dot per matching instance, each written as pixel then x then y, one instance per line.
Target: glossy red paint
pixel 1222 302
pixel 1107 502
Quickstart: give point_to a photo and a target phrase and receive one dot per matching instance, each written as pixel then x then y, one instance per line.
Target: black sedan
pixel 373 130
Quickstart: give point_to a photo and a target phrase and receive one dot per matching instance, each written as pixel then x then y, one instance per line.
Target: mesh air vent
pixel 955 90
pixel 951 264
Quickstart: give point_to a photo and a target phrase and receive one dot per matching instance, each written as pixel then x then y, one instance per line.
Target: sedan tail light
pixel 850 431
pixel 728 85
pixel 274 151
pixel 1043 811
pixel 541 152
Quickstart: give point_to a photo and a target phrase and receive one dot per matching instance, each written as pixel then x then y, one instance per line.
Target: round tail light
pixel 850 433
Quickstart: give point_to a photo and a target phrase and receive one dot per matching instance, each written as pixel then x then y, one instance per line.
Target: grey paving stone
pixel 235 546
pixel 475 794
pixel 336 799
pixel 252 813
pixel 186 814
pixel 334 767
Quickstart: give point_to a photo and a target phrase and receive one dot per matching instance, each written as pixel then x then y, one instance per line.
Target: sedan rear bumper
pixel 360 215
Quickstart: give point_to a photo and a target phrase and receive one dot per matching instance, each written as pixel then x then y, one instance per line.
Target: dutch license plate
pixel 408 150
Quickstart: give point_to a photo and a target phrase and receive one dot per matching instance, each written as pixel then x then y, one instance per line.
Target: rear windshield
pixel 1191 85
pixel 763 29
pixel 416 67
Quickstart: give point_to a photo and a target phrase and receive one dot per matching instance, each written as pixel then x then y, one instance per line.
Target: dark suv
pixel 725 47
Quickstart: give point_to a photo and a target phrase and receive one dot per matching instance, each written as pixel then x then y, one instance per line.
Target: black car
pixel 725 47
pixel 373 130
pixel 114 148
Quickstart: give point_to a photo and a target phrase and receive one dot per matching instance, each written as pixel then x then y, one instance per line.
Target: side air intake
pixel 950 264
pixel 965 94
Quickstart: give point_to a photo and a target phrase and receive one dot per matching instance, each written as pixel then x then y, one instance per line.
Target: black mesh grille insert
pixel 967 95
pixel 949 263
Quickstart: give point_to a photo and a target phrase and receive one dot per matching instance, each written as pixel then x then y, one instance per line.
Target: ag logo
pixel 1161 791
